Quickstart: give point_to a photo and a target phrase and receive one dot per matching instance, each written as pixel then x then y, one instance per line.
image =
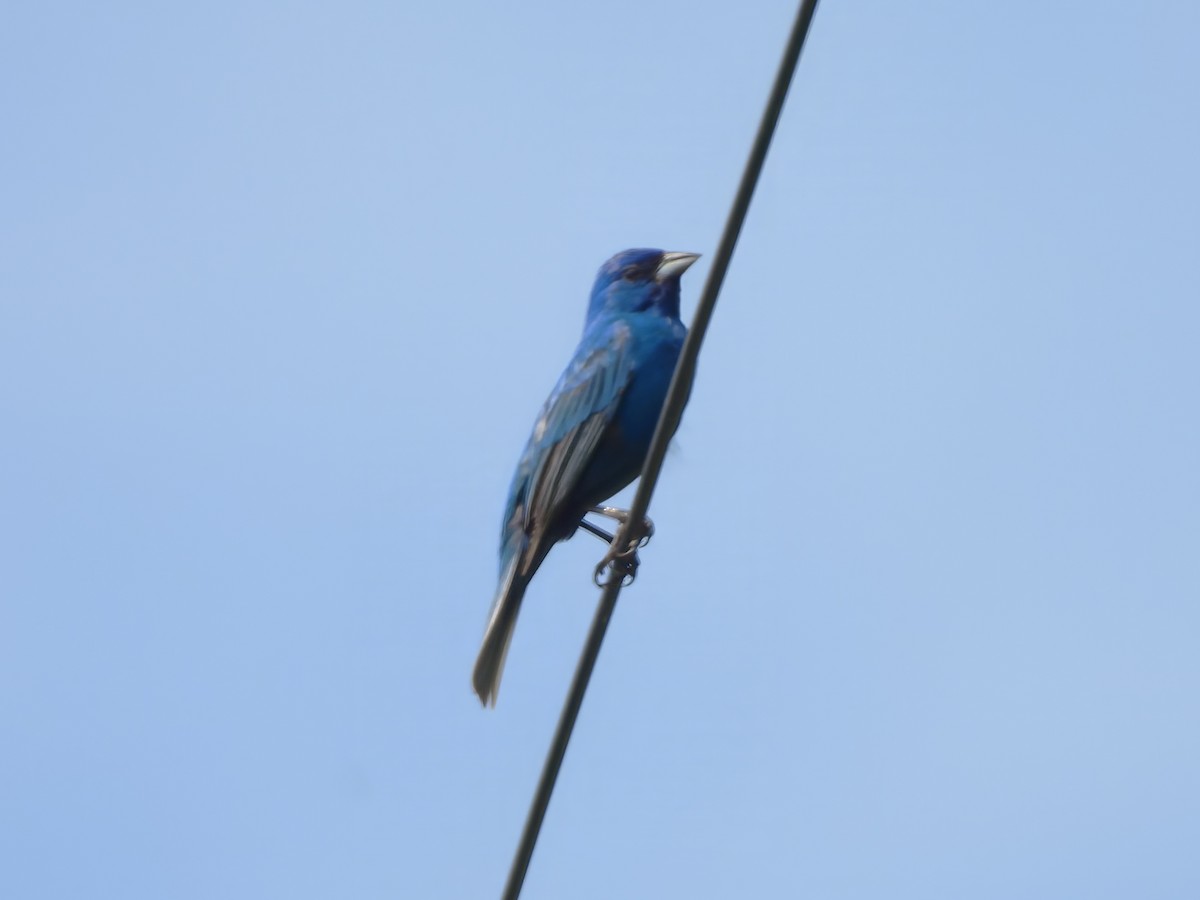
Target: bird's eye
pixel 631 273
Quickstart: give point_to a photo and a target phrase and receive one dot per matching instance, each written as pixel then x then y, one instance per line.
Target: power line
pixel 672 411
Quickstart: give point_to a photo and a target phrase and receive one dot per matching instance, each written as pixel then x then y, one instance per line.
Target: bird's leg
pixel 622 555
pixel 622 516
pixel 596 530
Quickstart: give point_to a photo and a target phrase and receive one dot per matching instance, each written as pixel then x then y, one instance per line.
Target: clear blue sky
pixel 282 286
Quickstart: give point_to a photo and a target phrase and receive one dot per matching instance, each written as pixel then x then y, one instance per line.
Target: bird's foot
pixel 622 557
pixel 622 563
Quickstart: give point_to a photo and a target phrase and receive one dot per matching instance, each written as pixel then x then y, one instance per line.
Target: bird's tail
pixel 489 665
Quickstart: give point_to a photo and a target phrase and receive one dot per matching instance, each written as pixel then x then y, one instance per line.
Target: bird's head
pixel 638 281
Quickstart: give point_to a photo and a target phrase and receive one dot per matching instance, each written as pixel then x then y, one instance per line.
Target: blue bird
pixel 591 437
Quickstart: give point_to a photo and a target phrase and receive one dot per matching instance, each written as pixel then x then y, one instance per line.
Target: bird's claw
pixel 623 563
pixel 647 531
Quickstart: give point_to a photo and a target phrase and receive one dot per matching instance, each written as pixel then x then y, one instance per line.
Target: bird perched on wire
pixel 592 435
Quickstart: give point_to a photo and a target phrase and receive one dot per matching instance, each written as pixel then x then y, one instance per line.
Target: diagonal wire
pixel 677 396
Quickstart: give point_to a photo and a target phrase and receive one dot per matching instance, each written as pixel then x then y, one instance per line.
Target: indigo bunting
pixel 591 437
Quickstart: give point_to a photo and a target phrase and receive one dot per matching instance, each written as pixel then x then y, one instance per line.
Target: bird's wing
pixel 571 424
pixel 562 446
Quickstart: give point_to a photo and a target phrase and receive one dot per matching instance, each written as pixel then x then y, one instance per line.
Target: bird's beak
pixel 673 265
